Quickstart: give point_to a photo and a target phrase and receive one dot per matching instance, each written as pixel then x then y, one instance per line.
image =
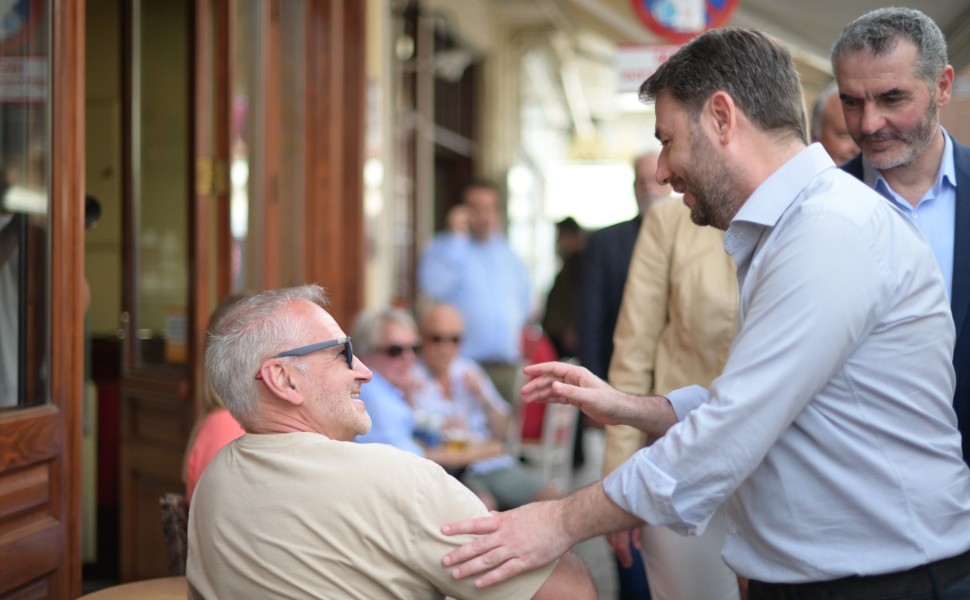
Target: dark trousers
pixel 947 579
pixel 633 580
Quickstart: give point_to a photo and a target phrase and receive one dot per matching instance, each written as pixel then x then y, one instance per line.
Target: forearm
pixel 498 422
pixel 652 415
pixel 589 512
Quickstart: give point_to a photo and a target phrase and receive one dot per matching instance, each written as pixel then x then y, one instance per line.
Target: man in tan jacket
pixel 675 327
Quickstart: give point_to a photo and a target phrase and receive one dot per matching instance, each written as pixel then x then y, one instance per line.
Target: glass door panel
pixel 24 203
pixel 268 148
pixel 160 147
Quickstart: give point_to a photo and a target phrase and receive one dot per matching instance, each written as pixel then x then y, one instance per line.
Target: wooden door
pixel 41 262
pixel 272 91
pixel 175 222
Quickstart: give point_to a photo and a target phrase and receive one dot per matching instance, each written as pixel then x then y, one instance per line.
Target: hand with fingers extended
pixel 513 542
pixel 564 383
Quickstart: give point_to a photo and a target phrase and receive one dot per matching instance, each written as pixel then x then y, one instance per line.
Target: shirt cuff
pixel 687 399
pixel 640 487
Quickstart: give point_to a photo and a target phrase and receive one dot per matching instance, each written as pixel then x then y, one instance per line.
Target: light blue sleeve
pixel 686 399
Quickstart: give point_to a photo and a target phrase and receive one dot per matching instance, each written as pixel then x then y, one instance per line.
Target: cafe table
pixel 163 588
pixel 456 457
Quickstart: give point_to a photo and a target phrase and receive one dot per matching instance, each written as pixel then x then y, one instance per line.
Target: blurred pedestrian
pixel 472 267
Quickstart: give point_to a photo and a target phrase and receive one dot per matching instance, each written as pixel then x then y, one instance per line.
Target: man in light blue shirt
pixel 472 267
pixel 387 341
pixel 829 436
pixel 893 76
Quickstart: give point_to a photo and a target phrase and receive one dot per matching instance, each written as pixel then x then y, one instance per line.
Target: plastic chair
pixel 552 452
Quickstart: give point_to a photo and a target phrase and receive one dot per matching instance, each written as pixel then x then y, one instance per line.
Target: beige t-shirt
pixel 298 515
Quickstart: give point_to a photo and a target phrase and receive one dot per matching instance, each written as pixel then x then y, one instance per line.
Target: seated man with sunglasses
pixel 457 392
pixel 291 509
pixel 387 340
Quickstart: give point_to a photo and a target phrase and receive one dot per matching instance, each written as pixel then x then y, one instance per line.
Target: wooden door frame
pixel 67 255
pixel 42 531
pixel 157 402
pixel 335 105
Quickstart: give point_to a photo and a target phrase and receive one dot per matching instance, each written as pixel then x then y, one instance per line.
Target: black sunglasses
pixel 395 350
pixel 348 351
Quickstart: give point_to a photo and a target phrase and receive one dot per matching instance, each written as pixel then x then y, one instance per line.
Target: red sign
pixel 636 63
pixel 681 20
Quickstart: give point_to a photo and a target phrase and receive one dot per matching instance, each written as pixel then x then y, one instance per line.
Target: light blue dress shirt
pixel 488 285
pixel 934 214
pixel 392 420
pixel 829 436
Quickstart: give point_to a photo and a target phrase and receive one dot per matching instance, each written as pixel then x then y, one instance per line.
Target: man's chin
pixel 883 157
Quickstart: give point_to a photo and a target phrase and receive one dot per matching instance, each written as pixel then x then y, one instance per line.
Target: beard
pixel 914 142
pixel 715 188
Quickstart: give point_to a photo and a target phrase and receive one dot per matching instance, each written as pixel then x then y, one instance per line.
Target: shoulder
pixel 672 212
pixel 835 196
pixel 220 424
pixel 463 364
pixel 611 234
pixel 961 156
pixel 959 148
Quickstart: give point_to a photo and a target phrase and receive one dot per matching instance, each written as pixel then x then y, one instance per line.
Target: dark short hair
pixel 568 225
pixel 756 70
pixel 879 31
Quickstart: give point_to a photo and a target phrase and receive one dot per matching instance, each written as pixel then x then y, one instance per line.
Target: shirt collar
pixel 773 197
pixel 765 207
pixel 874 179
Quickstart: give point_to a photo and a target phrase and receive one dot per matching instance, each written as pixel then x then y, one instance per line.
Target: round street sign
pixel 680 20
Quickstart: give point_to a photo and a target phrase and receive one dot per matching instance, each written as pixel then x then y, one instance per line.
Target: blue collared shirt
pixel 934 214
pixel 488 285
pixel 829 436
pixel 392 420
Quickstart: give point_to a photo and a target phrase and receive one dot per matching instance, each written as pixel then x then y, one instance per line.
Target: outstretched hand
pixel 514 542
pixel 564 383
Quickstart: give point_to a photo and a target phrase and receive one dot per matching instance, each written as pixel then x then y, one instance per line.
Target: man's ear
pixel 723 114
pixel 944 86
pixel 278 378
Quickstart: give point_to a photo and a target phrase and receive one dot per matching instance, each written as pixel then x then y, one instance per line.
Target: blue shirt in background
pixel 934 215
pixel 392 420
pixel 488 285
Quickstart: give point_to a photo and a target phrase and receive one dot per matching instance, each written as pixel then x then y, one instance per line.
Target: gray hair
pixel 880 30
pixel 370 324
pixel 252 330
pixel 756 70
pixel 818 109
